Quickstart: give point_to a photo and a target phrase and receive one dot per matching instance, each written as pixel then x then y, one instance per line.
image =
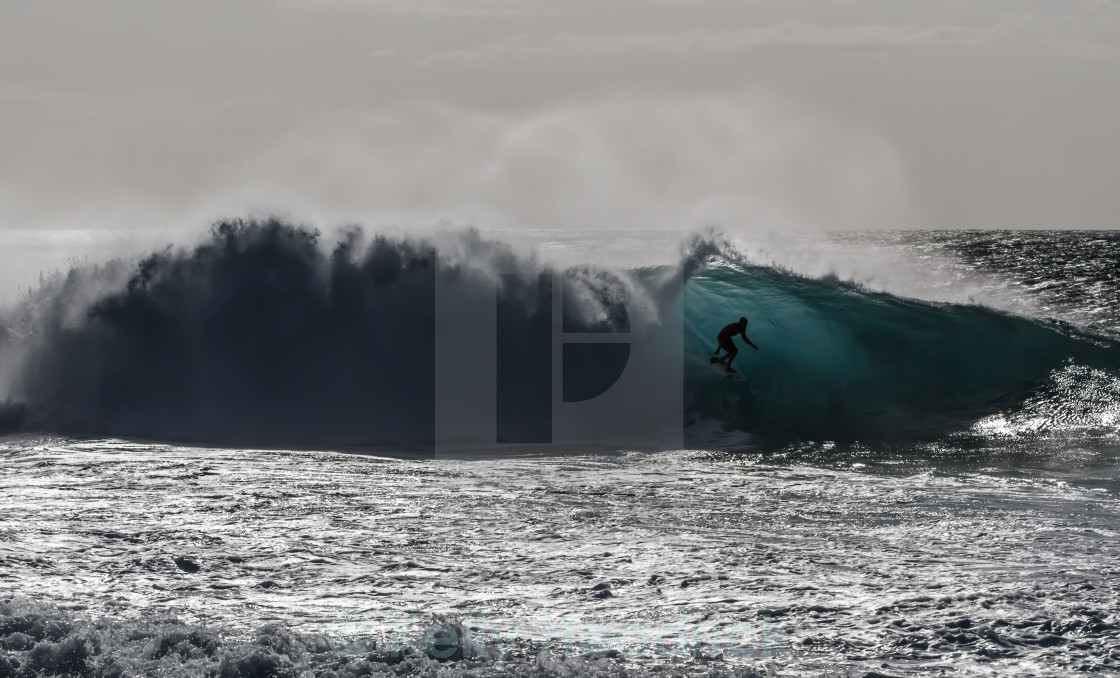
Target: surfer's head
pixel 743 322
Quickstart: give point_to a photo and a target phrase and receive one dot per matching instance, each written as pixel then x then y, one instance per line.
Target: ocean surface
pixel 207 471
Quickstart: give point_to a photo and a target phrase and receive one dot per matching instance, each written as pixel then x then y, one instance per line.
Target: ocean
pixel 276 453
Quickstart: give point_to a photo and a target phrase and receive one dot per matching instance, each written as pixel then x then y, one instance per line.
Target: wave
pixel 262 336
pixel 838 362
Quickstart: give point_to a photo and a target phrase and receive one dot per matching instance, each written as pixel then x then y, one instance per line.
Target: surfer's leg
pixel 716 357
pixel 731 353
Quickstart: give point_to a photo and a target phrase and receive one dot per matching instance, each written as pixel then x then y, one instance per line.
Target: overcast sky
pixel 562 113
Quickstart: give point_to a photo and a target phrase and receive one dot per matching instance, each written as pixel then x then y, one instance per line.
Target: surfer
pixel 727 345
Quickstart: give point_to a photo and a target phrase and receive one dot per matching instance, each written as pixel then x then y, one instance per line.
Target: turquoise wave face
pixel 838 362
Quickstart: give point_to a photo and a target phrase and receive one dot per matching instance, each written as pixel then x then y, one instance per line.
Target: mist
pixel 528 115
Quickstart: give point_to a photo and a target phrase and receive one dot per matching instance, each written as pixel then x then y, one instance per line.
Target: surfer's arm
pixel 749 342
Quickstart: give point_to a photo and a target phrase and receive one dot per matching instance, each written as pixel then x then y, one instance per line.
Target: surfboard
pixel 720 369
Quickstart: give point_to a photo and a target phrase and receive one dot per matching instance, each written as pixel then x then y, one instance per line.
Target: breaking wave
pixel 840 362
pixel 263 336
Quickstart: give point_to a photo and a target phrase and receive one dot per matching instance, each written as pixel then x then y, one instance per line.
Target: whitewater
pixel 241 458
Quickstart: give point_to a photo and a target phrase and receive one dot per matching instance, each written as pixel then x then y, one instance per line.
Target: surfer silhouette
pixel 728 346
